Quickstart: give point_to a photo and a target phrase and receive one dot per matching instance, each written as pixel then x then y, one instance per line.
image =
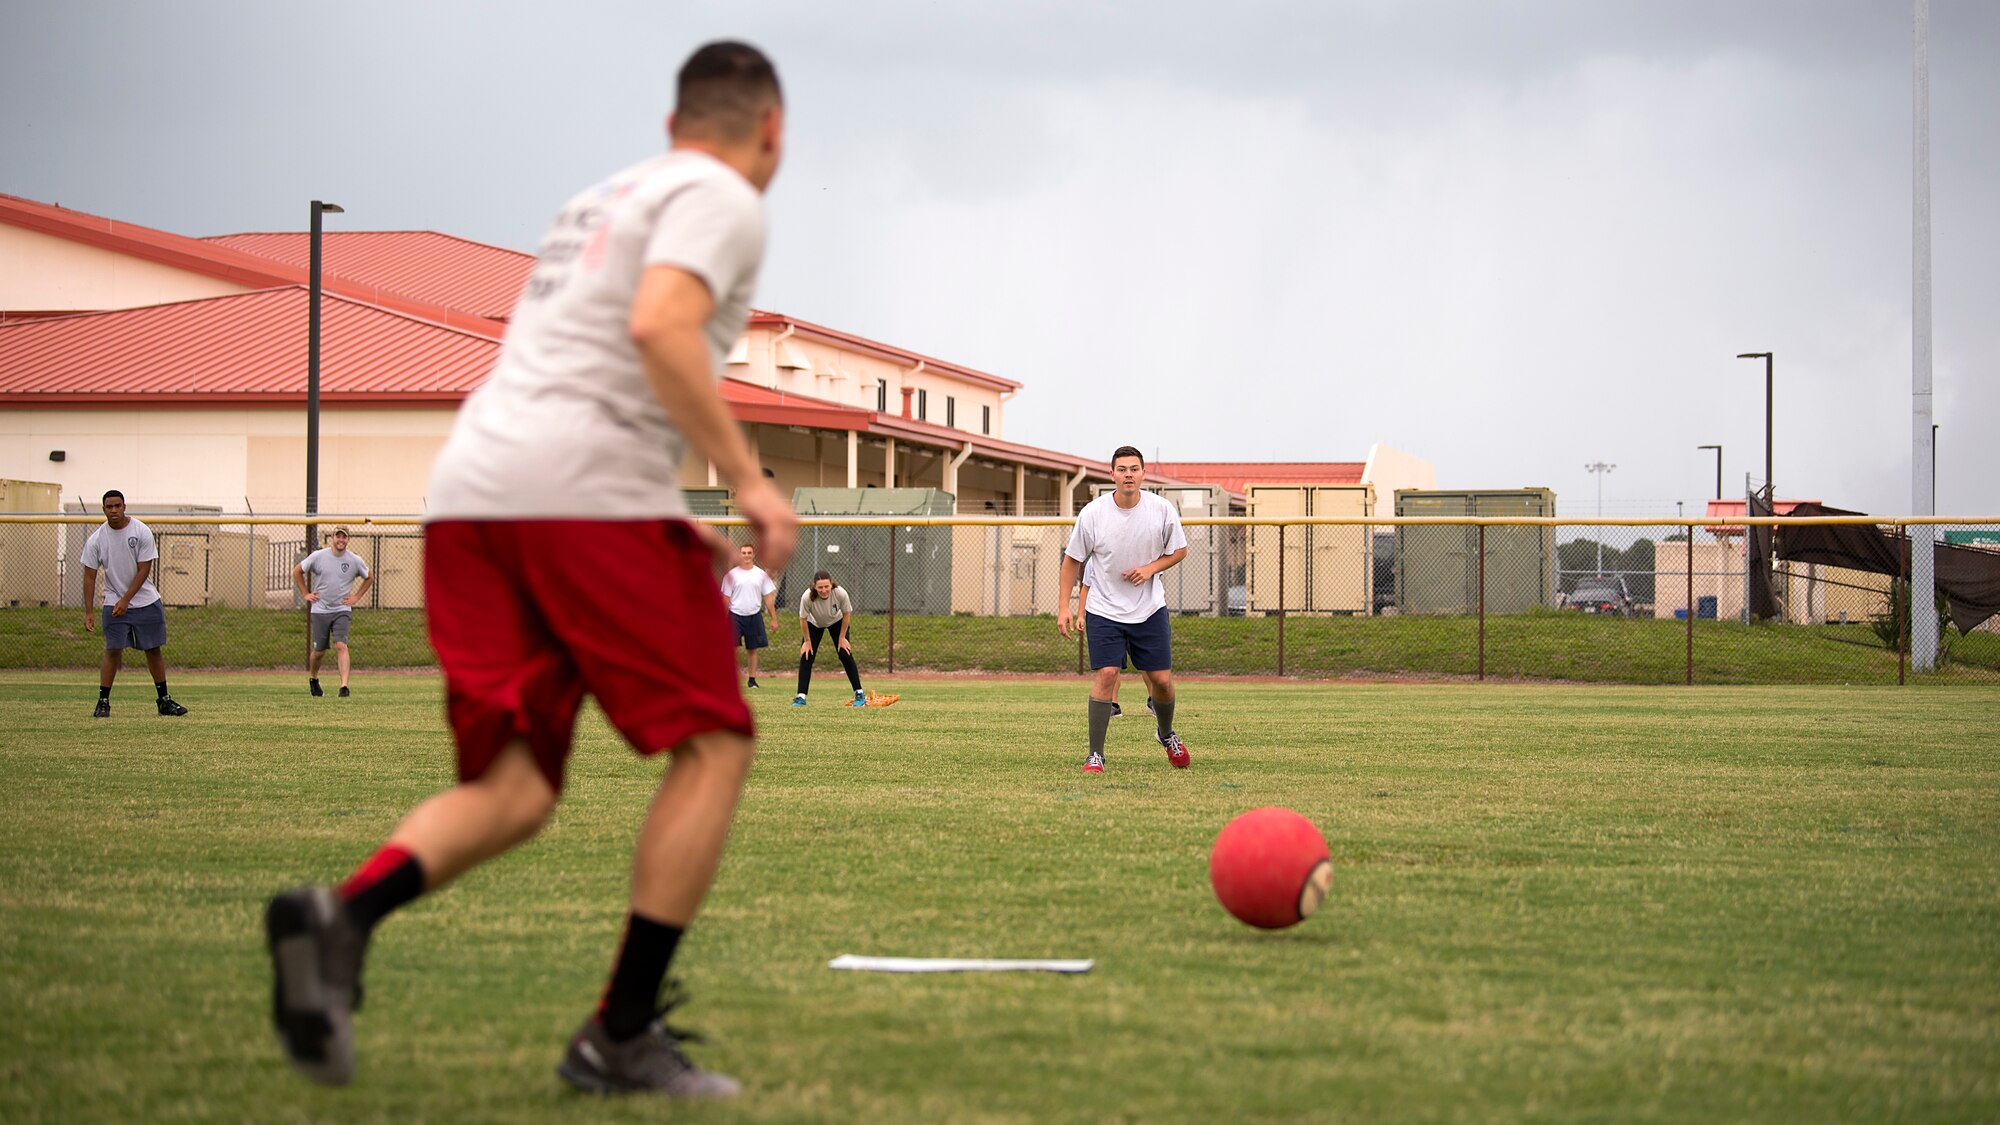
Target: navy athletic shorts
pixel 1149 643
pixel 141 627
pixel 750 630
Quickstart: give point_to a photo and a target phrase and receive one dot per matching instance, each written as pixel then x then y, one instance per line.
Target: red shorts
pixel 528 615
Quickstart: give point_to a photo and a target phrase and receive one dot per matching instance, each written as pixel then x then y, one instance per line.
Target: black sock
pixel 371 893
pixel 103 693
pixel 1163 717
pixel 161 687
pixel 1100 722
pixel 634 990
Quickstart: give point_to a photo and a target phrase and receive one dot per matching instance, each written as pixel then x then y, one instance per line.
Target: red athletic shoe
pixel 1177 751
pixel 1094 763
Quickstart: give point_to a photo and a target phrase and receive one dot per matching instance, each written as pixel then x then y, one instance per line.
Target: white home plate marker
pixel 952 965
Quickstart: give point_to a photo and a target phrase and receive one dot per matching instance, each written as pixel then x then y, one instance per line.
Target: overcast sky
pixel 1510 236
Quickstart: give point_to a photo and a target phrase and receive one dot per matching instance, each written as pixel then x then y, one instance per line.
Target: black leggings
pixel 806 661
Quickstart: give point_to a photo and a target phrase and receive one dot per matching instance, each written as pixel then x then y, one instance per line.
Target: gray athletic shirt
pixel 825 612
pixel 567 426
pixel 116 554
pixel 331 576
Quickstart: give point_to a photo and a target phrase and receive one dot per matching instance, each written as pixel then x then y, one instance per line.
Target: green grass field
pixel 1552 903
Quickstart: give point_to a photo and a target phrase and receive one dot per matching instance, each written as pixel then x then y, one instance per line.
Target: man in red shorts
pixel 553 500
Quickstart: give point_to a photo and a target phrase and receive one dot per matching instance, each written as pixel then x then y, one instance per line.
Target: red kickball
pixel 1270 868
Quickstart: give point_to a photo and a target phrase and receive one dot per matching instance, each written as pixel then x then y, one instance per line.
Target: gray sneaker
pixel 651 1062
pixel 316 959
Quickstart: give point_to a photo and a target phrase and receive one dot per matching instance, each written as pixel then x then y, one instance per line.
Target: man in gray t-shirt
pixel 327 580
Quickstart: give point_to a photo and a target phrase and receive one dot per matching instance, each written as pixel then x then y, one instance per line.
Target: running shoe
pixel 1094 763
pixel 103 710
pixel 316 961
pixel 798 701
pixel 649 1062
pixel 343 691
pixel 1177 751
pixel 860 699
pixel 169 707
pixel 313 686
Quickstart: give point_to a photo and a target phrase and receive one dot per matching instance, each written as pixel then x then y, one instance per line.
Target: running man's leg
pixel 1160 686
pixel 346 662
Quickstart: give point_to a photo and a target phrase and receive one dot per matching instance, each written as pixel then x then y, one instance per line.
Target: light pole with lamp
pixel 1766 357
pixel 312 373
pixel 1599 468
pixel 1718 468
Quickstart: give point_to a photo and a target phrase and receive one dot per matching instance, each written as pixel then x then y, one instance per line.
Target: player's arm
pixel 669 312
pixel 771 608
pixel 841 641
pixel 299 580
pixel 1165 562
pixel 355 595
pixel 89 599
pixel 1072 572
pixel 138 580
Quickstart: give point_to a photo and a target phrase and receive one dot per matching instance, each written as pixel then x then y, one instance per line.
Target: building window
pixel 923 405
pixel 986 420
pixel 950 411
pixel 882 396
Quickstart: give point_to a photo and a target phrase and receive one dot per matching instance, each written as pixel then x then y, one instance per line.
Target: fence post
pixel 892 599
pixel 1690 603
pixel 1482 601
pixel 1903 576
pixel 1281 599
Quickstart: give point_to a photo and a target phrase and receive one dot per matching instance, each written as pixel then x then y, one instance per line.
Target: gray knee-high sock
pixel 1163 716
pixel 1100 722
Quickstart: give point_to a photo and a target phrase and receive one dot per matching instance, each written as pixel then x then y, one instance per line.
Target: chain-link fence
pixel 1615 601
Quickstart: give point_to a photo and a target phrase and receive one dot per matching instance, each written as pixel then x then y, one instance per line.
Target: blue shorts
pixel 750 630
pixel 1149 643
pixel 141 627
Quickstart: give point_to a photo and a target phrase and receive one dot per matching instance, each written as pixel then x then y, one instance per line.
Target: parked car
pixel 1600 594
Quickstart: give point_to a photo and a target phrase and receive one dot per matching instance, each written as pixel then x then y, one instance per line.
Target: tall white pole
pixel 1923 580
pixel 1599 468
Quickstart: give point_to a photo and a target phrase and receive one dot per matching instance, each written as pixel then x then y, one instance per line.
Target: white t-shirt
pixel 746 590
pixel 331 576
pixel 115 553
pixel 1110 540
pixel 566 426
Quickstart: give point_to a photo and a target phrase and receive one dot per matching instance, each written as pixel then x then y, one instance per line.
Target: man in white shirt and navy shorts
pixel 552 507
pixel 753 600
pixel 123 549
pixel 1125 539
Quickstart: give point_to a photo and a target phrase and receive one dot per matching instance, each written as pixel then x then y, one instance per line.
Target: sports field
pixel 1552 903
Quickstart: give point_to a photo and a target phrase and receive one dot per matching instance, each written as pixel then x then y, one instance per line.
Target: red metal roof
pixel 1237 475
pixel 424 265
pixel 242 348
pixel 1723 509
pixel 221 262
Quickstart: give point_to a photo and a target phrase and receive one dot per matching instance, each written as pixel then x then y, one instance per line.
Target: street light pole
pixel 1718 468
pixel 1599 468
pixel 1766 357
pixel 312 373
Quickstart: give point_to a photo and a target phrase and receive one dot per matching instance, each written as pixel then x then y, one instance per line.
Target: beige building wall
pixel 42 273
pixel 372 461
pixel 1392 469
pixel 768 358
